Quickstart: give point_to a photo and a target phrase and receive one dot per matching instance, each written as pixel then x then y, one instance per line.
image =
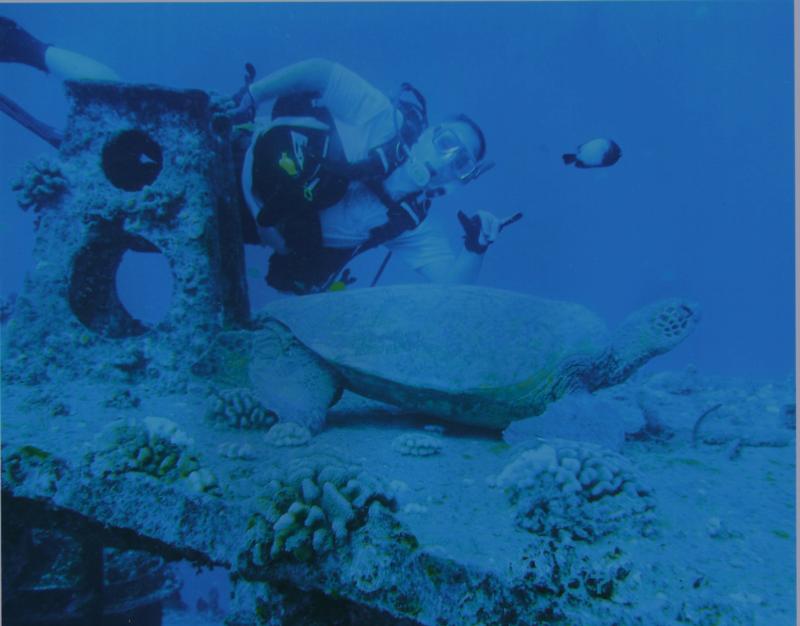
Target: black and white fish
pixel 595 153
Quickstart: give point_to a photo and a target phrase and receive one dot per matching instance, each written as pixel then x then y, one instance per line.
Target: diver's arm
pixel 309 75
pixel 429 252
pixel 480 231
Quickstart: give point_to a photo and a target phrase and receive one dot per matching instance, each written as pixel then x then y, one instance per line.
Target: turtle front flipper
pixel 282 374
pixel 646 333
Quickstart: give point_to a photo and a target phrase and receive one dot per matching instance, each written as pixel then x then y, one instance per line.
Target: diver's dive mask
pixel 458 158
pixel 443 159
pixel 449 159
pixel 459 163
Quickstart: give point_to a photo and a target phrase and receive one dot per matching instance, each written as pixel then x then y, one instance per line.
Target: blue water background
pixel 699 96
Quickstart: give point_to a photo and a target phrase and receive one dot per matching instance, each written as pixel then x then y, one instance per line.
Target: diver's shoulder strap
pixel 383 159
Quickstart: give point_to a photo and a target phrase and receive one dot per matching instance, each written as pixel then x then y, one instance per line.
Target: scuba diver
pixel 340 169
pixel 337 170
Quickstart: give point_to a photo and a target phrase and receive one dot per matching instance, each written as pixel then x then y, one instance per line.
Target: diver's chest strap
pixel 402 215
pixel 315 269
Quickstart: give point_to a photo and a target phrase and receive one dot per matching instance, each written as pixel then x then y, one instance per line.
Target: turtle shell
pixel 469 354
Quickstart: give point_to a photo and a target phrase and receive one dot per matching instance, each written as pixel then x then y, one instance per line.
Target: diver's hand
pixel 229 111
pixel 480 230
pixel 245 110
pixel 240 105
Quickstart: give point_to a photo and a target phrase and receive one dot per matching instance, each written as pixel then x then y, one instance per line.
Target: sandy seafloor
pixel 724 486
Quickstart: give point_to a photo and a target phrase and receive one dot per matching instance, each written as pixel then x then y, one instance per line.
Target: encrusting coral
pixel 233 450
pixel 239 408
pixel 288 434
pixel 579 489
pixel 153 446
pixel 317 502
pixel 416 444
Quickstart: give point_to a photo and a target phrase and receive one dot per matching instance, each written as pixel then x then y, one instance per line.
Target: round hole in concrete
pixel 144 285
pixel 131 160
pixel 94 292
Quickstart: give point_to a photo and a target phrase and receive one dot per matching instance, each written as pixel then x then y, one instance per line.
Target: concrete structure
pixel 141 168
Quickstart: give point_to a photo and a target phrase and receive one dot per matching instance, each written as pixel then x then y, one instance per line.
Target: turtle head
pixel 665 324
pixel 646 333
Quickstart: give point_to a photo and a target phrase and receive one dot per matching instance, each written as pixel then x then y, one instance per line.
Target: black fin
pixel 612 155
pixel 18 46
pixel 568 158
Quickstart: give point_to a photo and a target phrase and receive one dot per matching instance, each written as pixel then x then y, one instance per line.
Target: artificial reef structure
pixel 144 169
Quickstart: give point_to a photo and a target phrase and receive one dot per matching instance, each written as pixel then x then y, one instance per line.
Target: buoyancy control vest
pixel 299 168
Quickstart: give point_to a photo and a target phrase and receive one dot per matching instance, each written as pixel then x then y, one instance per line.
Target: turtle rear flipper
pixel 646 333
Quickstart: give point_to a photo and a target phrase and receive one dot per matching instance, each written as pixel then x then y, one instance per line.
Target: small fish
pixel 146 159
pixel 595 153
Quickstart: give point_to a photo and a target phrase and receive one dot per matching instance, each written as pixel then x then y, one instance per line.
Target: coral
pixel 153 446
pixel 731 423
pixel 202 480
pixel 123 399
pixel 34 466
pixel 287 434
pixel 7 304
pixel 234 450
pixel 160 205
pixel 579 489
pixel 39 185
pixel 314 506
pixel 415 444
pixel 239 408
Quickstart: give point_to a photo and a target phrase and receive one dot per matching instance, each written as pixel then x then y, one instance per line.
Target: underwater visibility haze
pixel 599 430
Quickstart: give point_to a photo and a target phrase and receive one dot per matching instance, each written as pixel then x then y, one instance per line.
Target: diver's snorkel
pixel 415 121
pixel 480 170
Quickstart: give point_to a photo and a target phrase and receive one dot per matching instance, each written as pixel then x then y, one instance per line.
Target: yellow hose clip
pixel 288 165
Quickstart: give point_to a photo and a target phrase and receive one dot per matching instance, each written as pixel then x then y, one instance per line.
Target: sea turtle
pixel 471 355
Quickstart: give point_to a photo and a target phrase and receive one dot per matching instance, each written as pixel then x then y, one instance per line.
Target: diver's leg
pixel 68 65
pixel 18 46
